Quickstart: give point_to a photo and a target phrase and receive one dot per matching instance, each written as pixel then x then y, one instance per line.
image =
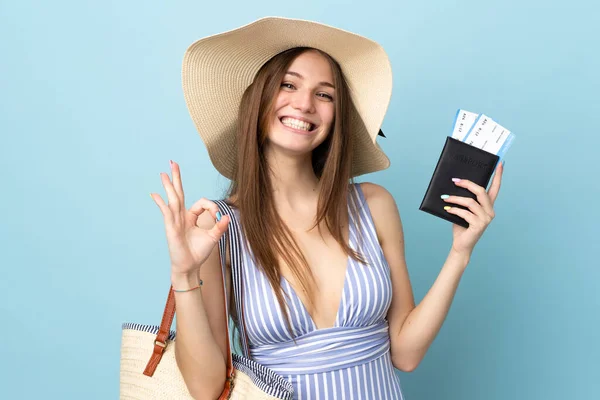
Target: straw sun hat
pixel 218 69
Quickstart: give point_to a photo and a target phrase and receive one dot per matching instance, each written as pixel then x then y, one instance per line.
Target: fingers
pixel 464 214
pixel 177 185
pixel 471 204
pixel 176 202
pixel 219 229
pixel 173 199
pixel 175 195
pixel 203 204
pixel 496 183
pixel 479 191
pixel 222 221
pixel 160 203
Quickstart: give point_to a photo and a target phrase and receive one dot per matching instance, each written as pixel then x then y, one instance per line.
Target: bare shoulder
pixel 383 208
pixel 380 201
pixel 377 195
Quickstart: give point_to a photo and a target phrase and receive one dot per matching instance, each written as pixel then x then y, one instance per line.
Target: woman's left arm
pixel 413 329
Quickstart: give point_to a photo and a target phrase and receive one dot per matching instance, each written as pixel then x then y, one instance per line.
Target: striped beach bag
pixel 148 369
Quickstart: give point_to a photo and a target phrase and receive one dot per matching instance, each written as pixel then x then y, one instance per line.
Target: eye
pixel 325 96
pixel 288 85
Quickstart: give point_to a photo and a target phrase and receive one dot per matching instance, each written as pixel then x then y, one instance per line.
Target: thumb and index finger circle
pixel 222 221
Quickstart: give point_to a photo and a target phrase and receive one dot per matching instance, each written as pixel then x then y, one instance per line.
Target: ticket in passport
pixel 481 131
pixel 463 122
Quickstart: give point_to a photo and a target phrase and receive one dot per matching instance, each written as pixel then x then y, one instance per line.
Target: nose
pixel 303 101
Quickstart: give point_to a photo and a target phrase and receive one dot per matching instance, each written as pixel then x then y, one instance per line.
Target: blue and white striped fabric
pixel 350 360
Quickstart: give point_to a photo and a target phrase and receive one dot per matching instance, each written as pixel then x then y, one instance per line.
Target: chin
pixel 291 145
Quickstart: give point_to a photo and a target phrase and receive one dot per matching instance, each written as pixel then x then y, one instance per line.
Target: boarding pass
pixel 481 131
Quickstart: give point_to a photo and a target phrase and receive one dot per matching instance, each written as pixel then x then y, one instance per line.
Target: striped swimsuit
pixel 348 361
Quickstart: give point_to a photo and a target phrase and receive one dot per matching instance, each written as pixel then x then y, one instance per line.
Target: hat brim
pixel 218 69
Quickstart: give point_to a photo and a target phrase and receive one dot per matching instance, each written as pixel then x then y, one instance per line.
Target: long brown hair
pixel 251 189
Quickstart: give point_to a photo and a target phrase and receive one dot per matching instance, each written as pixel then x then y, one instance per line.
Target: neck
pixel 294 181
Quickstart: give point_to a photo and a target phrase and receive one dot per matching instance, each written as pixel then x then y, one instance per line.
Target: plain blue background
pixel 91 110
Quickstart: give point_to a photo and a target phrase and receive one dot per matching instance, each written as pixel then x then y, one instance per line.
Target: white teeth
pixel 297 124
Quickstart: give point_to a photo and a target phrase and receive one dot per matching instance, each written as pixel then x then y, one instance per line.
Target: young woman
pixel 289 111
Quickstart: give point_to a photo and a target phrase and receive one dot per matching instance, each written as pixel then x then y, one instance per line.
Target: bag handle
pixel 160 343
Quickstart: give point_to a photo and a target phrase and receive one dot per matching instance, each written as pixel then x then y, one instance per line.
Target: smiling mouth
pixel 297 124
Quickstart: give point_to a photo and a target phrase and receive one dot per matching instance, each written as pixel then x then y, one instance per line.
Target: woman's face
pixel 304 108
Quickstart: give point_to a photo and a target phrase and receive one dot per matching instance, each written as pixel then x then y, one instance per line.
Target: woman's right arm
pixel 201 345
pixel 192 237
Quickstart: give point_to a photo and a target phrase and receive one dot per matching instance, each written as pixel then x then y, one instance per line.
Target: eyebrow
pixel 301 77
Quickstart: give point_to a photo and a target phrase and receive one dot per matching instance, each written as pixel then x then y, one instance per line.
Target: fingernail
pixel 444 196
pixel 218 216
pixel 455 180
pixel 447 208
pixel 171 162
